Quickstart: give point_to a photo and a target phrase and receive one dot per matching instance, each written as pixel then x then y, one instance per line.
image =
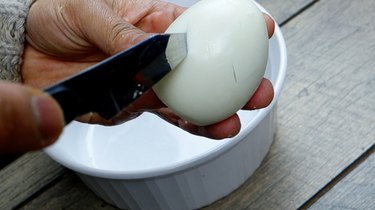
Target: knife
pixel 108 87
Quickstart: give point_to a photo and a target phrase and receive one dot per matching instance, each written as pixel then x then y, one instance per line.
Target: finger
pixel 262 97
pixel 160 16
pixel 168 115
pixel 147 102
pixel 224 129
pixel 270 24
pixel 102 26
pixel 29 119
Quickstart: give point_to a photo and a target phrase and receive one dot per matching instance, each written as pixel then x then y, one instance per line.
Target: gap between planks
pixel 43 189
pixel 307 6
pixel 338 178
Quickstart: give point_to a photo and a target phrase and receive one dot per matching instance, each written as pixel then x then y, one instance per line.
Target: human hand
pixel 29 119
pixel 78 34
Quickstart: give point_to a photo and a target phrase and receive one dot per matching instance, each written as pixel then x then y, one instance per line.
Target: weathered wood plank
pixel 355 191
pixel 70 193
pixel 326 112
pixel 7 159
pixel 24 177
pixel 283 10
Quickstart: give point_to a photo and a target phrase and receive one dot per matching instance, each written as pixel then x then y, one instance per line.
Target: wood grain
pixel 282 11
pixel 326 112
pixel 69 193
pixel 26 176
pixel 352 189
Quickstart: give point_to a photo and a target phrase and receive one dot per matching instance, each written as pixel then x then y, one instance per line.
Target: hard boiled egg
pixel 227 45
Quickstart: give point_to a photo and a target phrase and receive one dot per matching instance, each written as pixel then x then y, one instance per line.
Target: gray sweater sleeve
pixel 13 14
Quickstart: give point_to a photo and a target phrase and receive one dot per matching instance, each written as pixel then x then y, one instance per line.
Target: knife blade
pixel 109 86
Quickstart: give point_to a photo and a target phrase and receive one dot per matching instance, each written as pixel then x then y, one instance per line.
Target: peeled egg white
pixel 227 45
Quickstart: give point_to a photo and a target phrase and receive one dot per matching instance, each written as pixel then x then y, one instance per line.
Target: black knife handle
pixel 109 86
pixel 68 101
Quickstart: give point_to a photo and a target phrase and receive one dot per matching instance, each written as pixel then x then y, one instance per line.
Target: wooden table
pixel 323 153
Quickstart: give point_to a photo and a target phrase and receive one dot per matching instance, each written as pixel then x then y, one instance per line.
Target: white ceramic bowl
pixel 149 164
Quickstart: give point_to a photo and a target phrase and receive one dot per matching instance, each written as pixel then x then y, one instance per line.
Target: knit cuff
pixel 13 14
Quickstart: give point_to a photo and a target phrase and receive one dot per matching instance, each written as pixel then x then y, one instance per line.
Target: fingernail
pixel 49 117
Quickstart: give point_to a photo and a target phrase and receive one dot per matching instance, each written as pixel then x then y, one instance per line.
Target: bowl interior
pixel 148 145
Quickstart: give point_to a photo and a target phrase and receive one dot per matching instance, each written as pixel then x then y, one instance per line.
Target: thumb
pixel 29 119
pixel 108 31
